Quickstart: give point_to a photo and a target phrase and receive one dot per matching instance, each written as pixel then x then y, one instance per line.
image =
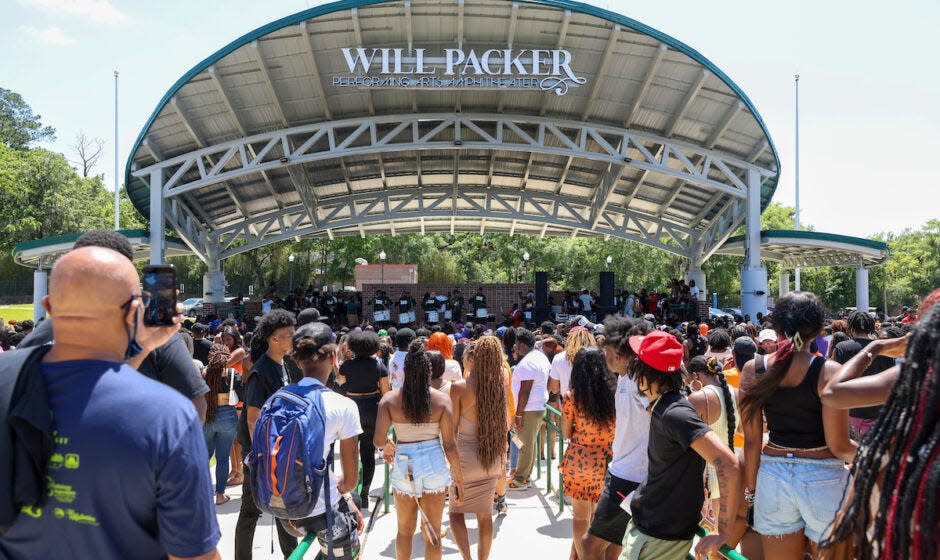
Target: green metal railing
pixel 552 424
pixel 725 551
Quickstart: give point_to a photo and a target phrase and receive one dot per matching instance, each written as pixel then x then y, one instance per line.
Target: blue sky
pixel 869 87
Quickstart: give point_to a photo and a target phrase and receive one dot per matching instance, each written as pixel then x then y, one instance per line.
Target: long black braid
pixel 713 367
pixel 901 451
pixel 415 389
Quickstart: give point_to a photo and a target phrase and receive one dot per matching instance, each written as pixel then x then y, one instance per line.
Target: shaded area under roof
pixel 42 253
pixel 807 249
pixel 260 143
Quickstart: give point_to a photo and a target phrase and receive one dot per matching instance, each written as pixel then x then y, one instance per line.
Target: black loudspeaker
pixel 606 303
pixel 542 310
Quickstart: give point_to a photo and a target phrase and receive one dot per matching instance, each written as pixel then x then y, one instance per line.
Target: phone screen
pixel 160 285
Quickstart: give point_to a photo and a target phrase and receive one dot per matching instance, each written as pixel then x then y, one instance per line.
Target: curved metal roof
pixel 263 140
pixel 41 253
pixel 807 249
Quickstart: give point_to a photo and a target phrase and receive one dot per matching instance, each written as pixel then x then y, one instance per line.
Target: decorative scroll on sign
pixel 517 69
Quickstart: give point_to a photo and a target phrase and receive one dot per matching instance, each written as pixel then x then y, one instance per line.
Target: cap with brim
pixel 308 315
pixel 382 332
pixel 318 332
pixel 767 334
pixel 659 350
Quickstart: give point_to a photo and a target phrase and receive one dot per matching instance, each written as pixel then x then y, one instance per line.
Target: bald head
pixel 87 288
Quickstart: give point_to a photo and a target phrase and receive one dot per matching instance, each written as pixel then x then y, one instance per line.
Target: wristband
pixel 871 356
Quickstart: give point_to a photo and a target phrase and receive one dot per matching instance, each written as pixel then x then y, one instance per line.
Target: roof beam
pixel 647 82
pixel 266 75
pixel 642 178
pixel 687 102
pixel 604 191
pixel 154 151
pixel 357 29
pixel 315 75
pixel 757 151
pixel 601 71
pixel 459 46
pixel 242 209
pixel 307 195
pixel 241 128
pixel 562 35
pixel 697 220
pixel 511 35
pixel 409 35
pixel 724 124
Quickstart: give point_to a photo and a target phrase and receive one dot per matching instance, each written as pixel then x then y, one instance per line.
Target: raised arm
pixel 846 389
pixel 835 420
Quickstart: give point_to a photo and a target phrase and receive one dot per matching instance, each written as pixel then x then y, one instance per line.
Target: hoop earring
pixel 692 385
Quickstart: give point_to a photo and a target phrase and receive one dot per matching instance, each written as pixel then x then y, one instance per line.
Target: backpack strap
pixel 14 378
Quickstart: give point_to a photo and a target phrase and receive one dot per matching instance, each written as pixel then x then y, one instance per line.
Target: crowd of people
pixel 803 434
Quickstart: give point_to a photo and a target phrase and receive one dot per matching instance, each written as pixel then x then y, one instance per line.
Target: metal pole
pixel 796 83
pixel 117 180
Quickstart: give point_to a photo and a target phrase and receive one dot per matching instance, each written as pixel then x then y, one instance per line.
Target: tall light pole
pixel 382 256
pixel 291 259
pixel 525 264
pixel 117 180
pixel 796 84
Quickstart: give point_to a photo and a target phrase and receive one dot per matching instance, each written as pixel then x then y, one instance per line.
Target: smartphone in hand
pixel 160 287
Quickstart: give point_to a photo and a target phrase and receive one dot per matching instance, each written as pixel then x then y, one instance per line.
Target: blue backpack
pixel 286 463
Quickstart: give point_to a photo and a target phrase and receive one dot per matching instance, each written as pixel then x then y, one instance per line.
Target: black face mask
pixel 133 347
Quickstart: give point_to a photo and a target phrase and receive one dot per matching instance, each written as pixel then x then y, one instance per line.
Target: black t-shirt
pixel 169 364
pixel 201 349
pixel 479 301
pixel 362 374
pixel 267 376
pixel 844 352
pixel 668 504
pixel 404 305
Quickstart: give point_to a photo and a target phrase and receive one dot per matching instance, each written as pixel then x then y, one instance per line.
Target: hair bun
pixel 416 346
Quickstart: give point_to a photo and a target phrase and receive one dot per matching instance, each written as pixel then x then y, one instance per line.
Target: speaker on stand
pixel 542 310
pixel 606 304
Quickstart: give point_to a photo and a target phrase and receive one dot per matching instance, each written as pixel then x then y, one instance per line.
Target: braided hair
pixel 901 453
pixel 219 355
pixel 491 400
pixel 713 367
pixel 416 390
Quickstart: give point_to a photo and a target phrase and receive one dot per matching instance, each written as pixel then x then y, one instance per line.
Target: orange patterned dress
pixel 587 455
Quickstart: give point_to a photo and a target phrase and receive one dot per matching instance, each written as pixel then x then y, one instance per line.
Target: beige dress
pixel 479 484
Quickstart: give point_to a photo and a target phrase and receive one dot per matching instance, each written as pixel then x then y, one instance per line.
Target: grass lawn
pixel 18 312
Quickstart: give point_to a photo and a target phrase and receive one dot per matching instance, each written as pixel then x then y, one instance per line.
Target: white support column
pixel 157 223
pixel 40 287
pixel 695 269
pixel 753 275
pixel 699 277
pixel 784 283
pixel 861 287
pixel 213 281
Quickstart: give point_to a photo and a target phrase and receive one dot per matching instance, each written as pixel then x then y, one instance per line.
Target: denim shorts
pixel 420 468
pixel 794 493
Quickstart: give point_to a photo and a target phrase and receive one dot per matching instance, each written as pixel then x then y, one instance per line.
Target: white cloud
pixel 49 35
pixel 97 11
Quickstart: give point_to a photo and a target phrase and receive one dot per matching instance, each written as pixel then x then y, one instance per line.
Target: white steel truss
pixel 179 178
pixel 437 203
pixel 398 133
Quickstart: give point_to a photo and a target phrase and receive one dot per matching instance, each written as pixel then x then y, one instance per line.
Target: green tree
pixel 19 126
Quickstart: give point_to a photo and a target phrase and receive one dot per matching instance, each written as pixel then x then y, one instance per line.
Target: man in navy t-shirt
pixel 128 476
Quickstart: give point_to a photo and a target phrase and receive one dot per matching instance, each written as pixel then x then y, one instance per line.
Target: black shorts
pixel 610 521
